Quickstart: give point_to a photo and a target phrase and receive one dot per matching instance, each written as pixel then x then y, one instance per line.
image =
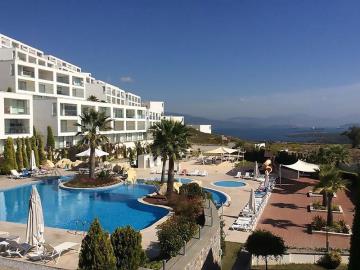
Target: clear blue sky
pixel 208 58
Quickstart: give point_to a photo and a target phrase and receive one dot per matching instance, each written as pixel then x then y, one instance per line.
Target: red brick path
pixel 286 214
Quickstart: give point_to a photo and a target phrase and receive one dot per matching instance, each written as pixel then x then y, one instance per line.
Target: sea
pixel 286 134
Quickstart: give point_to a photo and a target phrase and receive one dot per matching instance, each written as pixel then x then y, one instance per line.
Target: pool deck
pixel 239 197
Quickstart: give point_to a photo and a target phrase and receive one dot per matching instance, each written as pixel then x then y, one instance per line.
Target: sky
pixel 215 59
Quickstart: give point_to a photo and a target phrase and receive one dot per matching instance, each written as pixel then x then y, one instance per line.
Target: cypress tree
pixel 354 260
pixel 96 250
pixel 24 153
pixel 35 149
pixel 126 243
pixel 50 143
pixel 28 149
pixel 42 155
pixel 9 156
pixel 15 166
pixel 19 154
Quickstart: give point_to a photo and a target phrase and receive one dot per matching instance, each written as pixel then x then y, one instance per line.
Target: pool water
pixel 64 209
pixel 229 183
pixel 184 180
pixel 218 197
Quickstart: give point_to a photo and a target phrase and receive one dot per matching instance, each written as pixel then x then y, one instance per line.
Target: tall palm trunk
pixel 324 198
pixel 163 170
pixel 330 218
pixel 92 163
pixel 170 180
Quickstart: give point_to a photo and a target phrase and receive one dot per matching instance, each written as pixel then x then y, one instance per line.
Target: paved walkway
pixel 287 215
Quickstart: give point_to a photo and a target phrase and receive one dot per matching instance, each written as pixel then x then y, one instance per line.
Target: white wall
pixel 5 79
pixel 202 128
pixel 43 115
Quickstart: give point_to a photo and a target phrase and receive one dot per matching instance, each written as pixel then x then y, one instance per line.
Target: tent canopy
pixel 303 166
pixel 98 153
pixel 221 150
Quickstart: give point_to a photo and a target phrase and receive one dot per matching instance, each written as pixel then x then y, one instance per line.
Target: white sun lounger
pixel 193 173
pixel 247 175
pixel 13 248
pixel 16 175
pixel 238 175
pixel 203 173
pixel 53 252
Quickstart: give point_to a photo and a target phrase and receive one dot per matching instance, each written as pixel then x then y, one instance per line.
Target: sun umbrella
pixel 98 153
pixel 221 150
pixel 252 201
pixel 35 223
pixel 32 161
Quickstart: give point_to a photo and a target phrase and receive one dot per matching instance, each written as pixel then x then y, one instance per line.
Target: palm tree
pixel 93 98
pixel 92 122
pixel 338 154
pixel 330 183
pixel 170 140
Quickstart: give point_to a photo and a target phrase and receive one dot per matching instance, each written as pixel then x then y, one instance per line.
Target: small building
pixel 202 128
pixel 175 118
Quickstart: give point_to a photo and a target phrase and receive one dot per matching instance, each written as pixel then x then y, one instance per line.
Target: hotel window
pixel 54 109
pixel 22 85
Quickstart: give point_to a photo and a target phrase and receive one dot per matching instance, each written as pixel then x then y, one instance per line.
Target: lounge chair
pixel 13 248
pixel 16 175
pixel 247 175
pixel 193 173
pixel 52 252
pixel 238 175
pixel 203 173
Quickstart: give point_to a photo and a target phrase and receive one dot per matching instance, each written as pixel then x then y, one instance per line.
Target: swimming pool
pixel 229 183
pixel 184 180
pixel 63 209
pixel 218 197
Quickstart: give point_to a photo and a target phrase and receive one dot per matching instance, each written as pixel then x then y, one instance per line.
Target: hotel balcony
pixel 26 71
pixel 105 110
pixel 62 78
pixel 141 125
pixel 46 75
pixel 130 125
pixel 68 109
pixel 76 81
pixel 68 126
pixel 46 88
pixel 25 85
pixel 130 113
pixel 140 114
pixel 17 126
pixel 118 113
pixel 16 106
pixel 77 92
pixel 85 108
pixel 119 126
pixel 63 90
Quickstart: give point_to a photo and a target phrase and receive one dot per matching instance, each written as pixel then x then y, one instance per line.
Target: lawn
pixel 231 255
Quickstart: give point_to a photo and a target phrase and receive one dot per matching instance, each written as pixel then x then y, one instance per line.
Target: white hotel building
pixel 42 90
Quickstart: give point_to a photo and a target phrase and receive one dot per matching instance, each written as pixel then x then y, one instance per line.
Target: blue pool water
pixel 218 197
pixel 62 208
pixel 229 183
pixel 184 180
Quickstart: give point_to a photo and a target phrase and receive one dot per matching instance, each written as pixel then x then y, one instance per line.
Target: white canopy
pixel 221 150
pixel 32 161
pixel 98 153
pixel 303 166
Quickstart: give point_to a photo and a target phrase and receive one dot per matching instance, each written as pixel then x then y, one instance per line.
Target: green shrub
pixel 35 149
pixel 330 260
pixel 24 153
pixel 186 207
pixel 96 250
pixel 50 143
pixel 192 190
pixel 19 154
pixel 318 223
pixel 28 149
pixel 42 154
pixel 9 157
pixel 126 243
pixel 172 234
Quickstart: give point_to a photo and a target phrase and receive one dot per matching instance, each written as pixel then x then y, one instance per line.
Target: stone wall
pixel 203 253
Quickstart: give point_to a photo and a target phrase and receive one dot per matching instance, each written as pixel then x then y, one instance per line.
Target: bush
pixel 172 234
pixel 19 154
pixel 192 190
pixel 318 223
pixel 9 157
pixel 189 208
pixel 330 260
pixel 126 243
pixel 24 154
pixel 96 250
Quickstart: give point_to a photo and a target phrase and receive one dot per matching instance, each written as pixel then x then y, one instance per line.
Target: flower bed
pixel 318 207
pixel 83 181
pixel 318 225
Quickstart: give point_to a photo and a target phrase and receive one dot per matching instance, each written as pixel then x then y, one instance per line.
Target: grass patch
pixel 231 254
pixel 83 181
pixel 296 267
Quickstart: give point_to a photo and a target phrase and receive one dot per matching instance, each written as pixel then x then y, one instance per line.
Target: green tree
pixel 35 149
pixel 91 124
pixel 174 139
pixel 354 260
pixel 353 133
pixel 19 154
pixel 50 143
pixel 28 149
pixel 96 250
pixel 338 154
pixel 9 156
pixel 93 98
pixel 42 154
pixel 158 147
pixel 24 153
pixel 263 243
pixel 126 243
pixel 330 183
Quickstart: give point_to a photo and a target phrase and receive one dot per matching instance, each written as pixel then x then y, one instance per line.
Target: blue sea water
pixel 63 209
